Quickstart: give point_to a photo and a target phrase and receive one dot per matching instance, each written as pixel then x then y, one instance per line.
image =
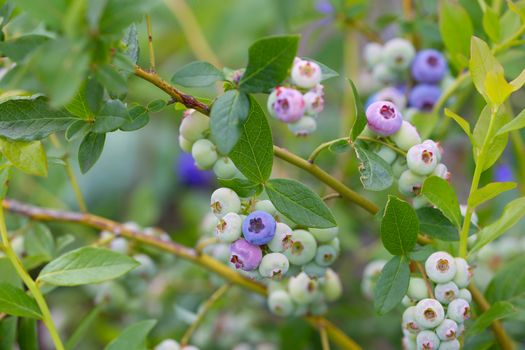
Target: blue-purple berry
pixel 429 66
pixel 424 97
pixel 383 118
pixel 287 104
pixel 245 256
pixel 258 228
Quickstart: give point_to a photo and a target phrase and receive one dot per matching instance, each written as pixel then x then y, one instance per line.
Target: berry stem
pixel 203 310
pixel 203 243
pixel 384 143
pixel 150 44
pixel 425 278
pixel 324 146
pixel 31 285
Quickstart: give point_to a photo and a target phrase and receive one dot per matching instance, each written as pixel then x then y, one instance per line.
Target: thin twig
pixel 203 243
pixel 325 343
pixel 331 196
pixel 384 143
pixel 150 44
pixel 425 278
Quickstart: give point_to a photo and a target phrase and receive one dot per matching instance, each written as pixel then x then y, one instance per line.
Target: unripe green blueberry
pixel 331 286
pixel 421 160
pixel 427 340
pixel 406 301
pixel 446 292
pixel 185 145
pixel 384 74
pixel 224 168
pixel 463 273
pixel 429 313
pixel 371 274
pixel 336 244
pixel 304 126
pixel 440 267
pixel 204 153
pixel 324 234
pixel 280 303
pixel 417 289
pixel 229 228
pixel 373 53
pixel 399 166
pixel 461 329
pixel 168 344
pixel 441 171
pixel 302 248
pixel 194 126
pixel 434 147
pixel 447 330
pixel 409 320
pixel 409 184
pixel 267 206
pixel 282 238
pixel 420 202
pixel 398 53
pixel 119 245
pixel 314 270
pixel 223 201
pixel 270 102
pixel 464 293
pixel 325 255
pixel 450 345
pixel 302 288
pixel 406 137
pixel 387 154
pixel 409 341
pixel 458 310
pixel 274 265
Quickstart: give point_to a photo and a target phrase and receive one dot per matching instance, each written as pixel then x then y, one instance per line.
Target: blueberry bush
pixel 242 175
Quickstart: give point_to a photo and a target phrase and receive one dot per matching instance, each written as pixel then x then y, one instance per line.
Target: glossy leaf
pixel 90 150
pixel 433 223
pixel 376 174
pixel 491 24
pixel 497 144
pixel 392 284
pixel 440 193
pixel 244 188
pixel 489 191
pixel 399 227
pixel 463 124
pixel 482 61
pixel 197 74
pixel 497 88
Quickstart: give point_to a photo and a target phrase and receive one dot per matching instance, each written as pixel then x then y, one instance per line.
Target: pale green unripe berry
pixel 464 293
pixel 406 137
pixel 387 154
pixel 229 228
pixel 417 289
pixel 204 153
pixel 446 292
pixel 318 307
pixel 429 313
pixel 223 201
pixel 282 238
pixel 324 234
pixel 326 255
pixel 119 245
pixel 267 206
pixel 409 320
pixel 336 243
pixel 194 126
pixel 373 54
pixel 312 269
pixel 302 249
pixel 458 310
pixel 409 184
pixel 447 330
pixel 168 344
pixel 463 273
pixel 274 265
pixel 304 126
pixel 332 287
pixel 421 160
pixel 147 267
pixel 450 345
pixel 224 168
pixel 302 288
pixel 399 166
pixel 185 145
pixel 398 53
pixel 384 74
pixel 427 340
pixel 440 267
pixel 420 202
pixel 407 302
pixel 441 171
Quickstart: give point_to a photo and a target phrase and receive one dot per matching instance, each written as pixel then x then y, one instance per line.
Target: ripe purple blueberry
pixel 424 97
pixel 245 256
pixel 258 228
pixel 429 66
pixel 383 118
pixel 286 104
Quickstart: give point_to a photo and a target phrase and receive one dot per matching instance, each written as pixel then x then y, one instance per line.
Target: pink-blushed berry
pixel 229 228
pixel 302 288
pixel 259 227
pixel 458 310
pixel 324 234
pixel 332 287
pixel 306 74
pixel 450 345
pixel 224 168
pixel 440 267
pixel 409 184
pixel 463 273
pixel 447 330
pixel 194 125
pixel 417 289
pixel 446 292
pixel 325 255
pixel 224 200
pixel 429 313
pixel 274 265
pixel 398 53
pixel 435 146
pixel 287 104
pixel 409 320
pixel 304 126
pixel 427 340
pixel 383 118
pixel 245 256
pixel 406 137
pixel 204 153
pixel 441 171
pixel 424 97
pixel 282 239
pixel 429 66
pixel 421 160
pixel 314 101
pixel 280 303
pixel 302 248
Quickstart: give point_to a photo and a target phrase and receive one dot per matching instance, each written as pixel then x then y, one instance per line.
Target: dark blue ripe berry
pixel 258 228
pixel 429 66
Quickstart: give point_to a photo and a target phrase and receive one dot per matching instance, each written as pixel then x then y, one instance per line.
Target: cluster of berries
pixel 409 79
pixel 423 158
pixel 295 263
pixel 194 132
pixel 299 103
pixel 436 311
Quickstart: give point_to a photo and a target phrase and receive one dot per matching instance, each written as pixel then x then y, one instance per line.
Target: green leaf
pixel 422 253
pixel 28 156
pixel 138 118
pixel 133 337
pixel 340 146
pixel 227 114
pixel 31 118
pixel 425 123
pixel 244 188
pixel 399 227
pixel 360 115
pixel 491 24
pixel 84 327
pixel 78 106
pixel 197 74
pixel 509 282
pixel 497 311
pixel 482 61
pixel 27 334
pixel 39 242
pixel 14 301
pixel 90 150
pixel 131 42
pixel 112 116
pixel 269 62
pixel 392 284
pixel 435 224
pixel 51 12
pixel 516 123
pixel 457 42
pixel 156 105
pixel 8 333
pixel 78 129
pixel 18 48
pixel 118 15
pixel 376 174
pixel 8 273
pixel 463 124
pixel 518 82
pixel 94 94
pixel 439 192
pixel 299 203
pixel 489 191
pixel 512 213
pixel 111 79
pixel 497 144
pixel 497 88
pixel 85 266
pixel 253 153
